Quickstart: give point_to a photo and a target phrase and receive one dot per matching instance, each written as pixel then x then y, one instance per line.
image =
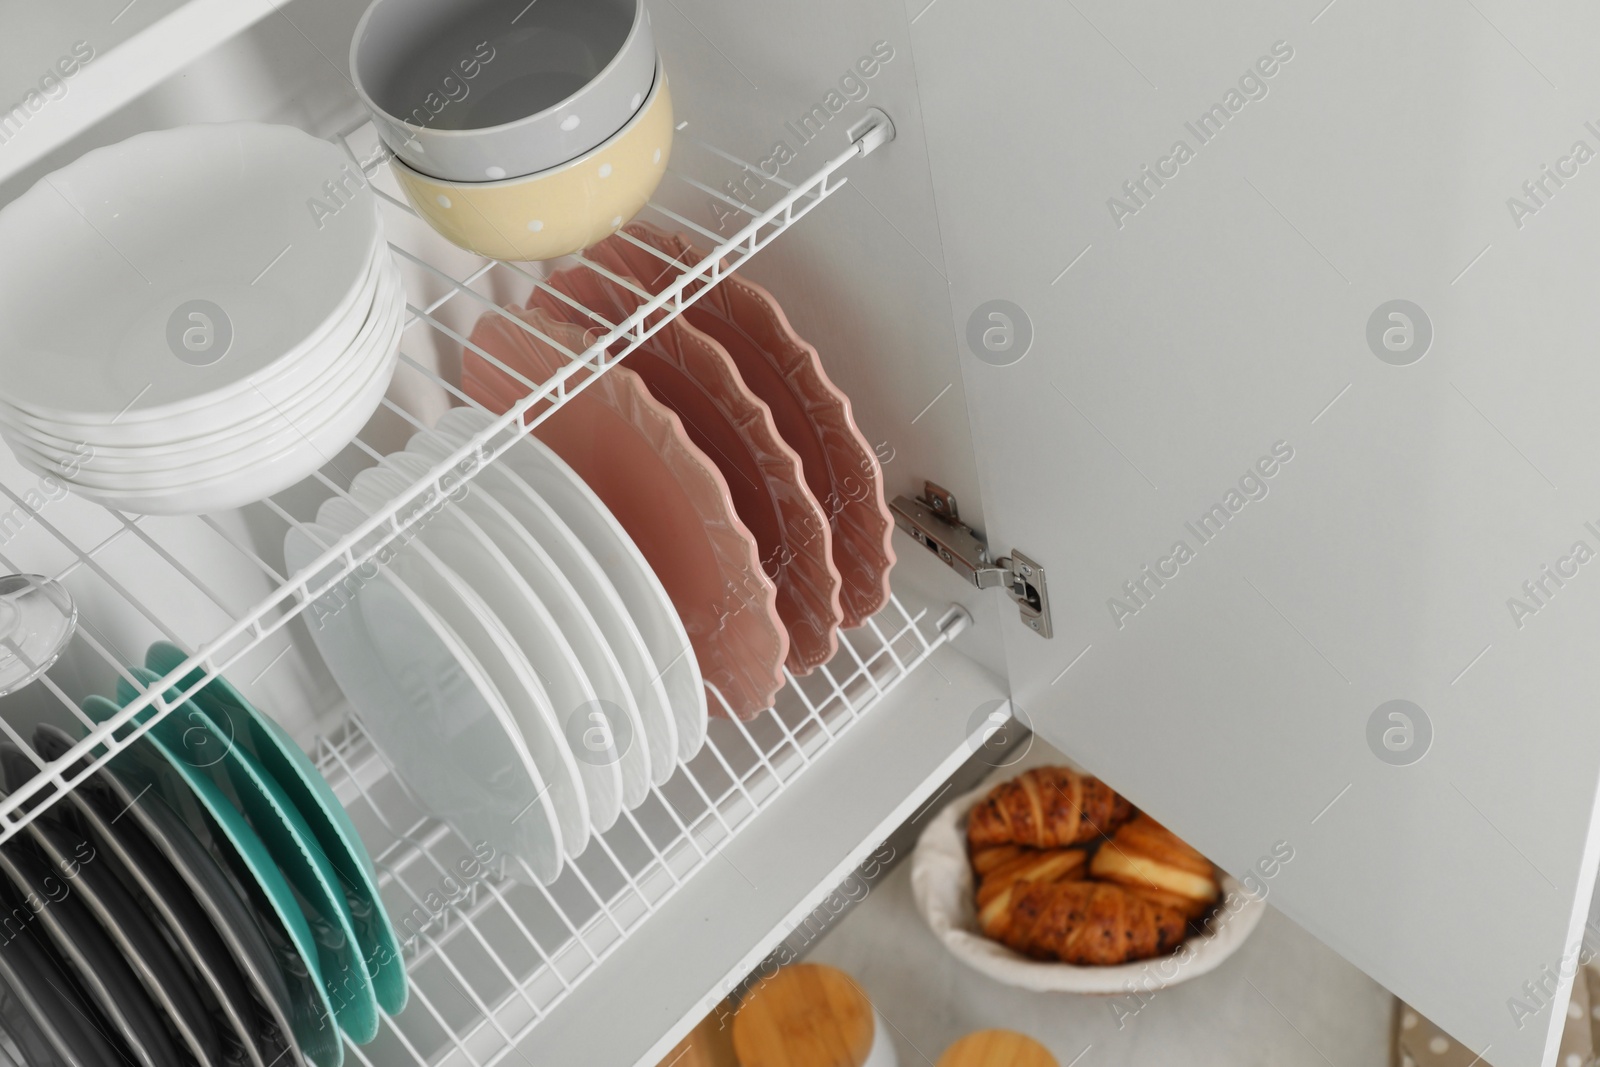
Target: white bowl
pixel 942 885
pixel 102 260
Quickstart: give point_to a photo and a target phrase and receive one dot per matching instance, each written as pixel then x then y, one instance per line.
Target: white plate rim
pixel 323 368
pixel 256 481
pixel 545 870
pixel 508 492
pixel 542 578
pixel 587 798
pixel 367 399
pixel 646 598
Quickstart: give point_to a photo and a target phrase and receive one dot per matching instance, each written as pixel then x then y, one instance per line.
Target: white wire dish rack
pixel 108 555
pixel 488 957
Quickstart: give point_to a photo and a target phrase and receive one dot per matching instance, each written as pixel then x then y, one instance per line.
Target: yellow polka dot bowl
pixel 558 211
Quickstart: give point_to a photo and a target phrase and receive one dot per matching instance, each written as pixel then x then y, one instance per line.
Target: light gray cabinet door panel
pixel 1271 499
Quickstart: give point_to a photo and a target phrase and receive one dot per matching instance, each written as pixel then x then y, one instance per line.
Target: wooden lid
pixel 997 1048
pixel 807 1015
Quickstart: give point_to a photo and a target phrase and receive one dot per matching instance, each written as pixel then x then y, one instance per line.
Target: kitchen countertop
pixel 1283 1000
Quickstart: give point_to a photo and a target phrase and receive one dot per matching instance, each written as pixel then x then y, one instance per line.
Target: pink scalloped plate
pixel 811 413
pixel 672 500
pixel 693 375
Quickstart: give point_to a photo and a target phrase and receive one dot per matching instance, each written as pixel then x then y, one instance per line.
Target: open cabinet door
pixel 1305 437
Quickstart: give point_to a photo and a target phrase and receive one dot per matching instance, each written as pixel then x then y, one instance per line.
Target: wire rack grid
pixel 491 952
pixel 86 543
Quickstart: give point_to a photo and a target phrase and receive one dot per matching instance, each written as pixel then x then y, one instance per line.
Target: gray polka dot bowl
pixel 489 90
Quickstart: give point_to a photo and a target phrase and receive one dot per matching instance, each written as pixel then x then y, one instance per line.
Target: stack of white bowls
pixel 196 318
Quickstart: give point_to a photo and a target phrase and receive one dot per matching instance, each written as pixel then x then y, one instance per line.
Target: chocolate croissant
pixel 1083 923
pixel 1027 865
pixel 1151 861
pixel 1046 807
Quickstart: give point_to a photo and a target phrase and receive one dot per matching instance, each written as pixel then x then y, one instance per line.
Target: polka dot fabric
pixel 1419 1043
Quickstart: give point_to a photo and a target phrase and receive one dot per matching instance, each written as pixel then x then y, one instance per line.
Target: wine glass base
pixel 37 620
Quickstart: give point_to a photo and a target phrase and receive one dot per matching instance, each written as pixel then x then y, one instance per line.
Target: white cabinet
pixel 1301 428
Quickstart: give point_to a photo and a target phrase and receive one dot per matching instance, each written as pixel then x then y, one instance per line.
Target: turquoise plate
pixel 293 770
pixel 293 846
pixel 313 1029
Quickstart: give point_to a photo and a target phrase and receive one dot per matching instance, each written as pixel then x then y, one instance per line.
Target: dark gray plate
pixel 77 940
pixel 9 1056
pixel 163 975
pixel 240 927
pixel 42 1010
pixel 158 890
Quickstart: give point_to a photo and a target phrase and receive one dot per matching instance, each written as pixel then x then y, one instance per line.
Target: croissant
pixel 1029 865
pixel 1083 923
pixel 1152 862
pixel 985 860
pixel 1046 807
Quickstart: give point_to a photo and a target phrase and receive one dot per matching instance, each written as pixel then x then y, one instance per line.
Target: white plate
pixel 516 640
pixel 249 411
pixel 585 797
pixel 220 411
pixel 263 475
pixel 652 611
pixel 138 229
pixel 521 690
pixel 287 419
pixel 431 709
pixel 941 884
pixel 508 494
pixel 591 739
pixel 354 376
pixel 291 371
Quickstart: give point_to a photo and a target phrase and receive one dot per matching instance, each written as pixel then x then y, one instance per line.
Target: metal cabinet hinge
pixel 934 522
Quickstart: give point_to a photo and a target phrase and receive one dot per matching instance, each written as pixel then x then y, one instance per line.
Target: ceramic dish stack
pixel 222 908
pixel 516 660
pixel 518 131
pixel 195 318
